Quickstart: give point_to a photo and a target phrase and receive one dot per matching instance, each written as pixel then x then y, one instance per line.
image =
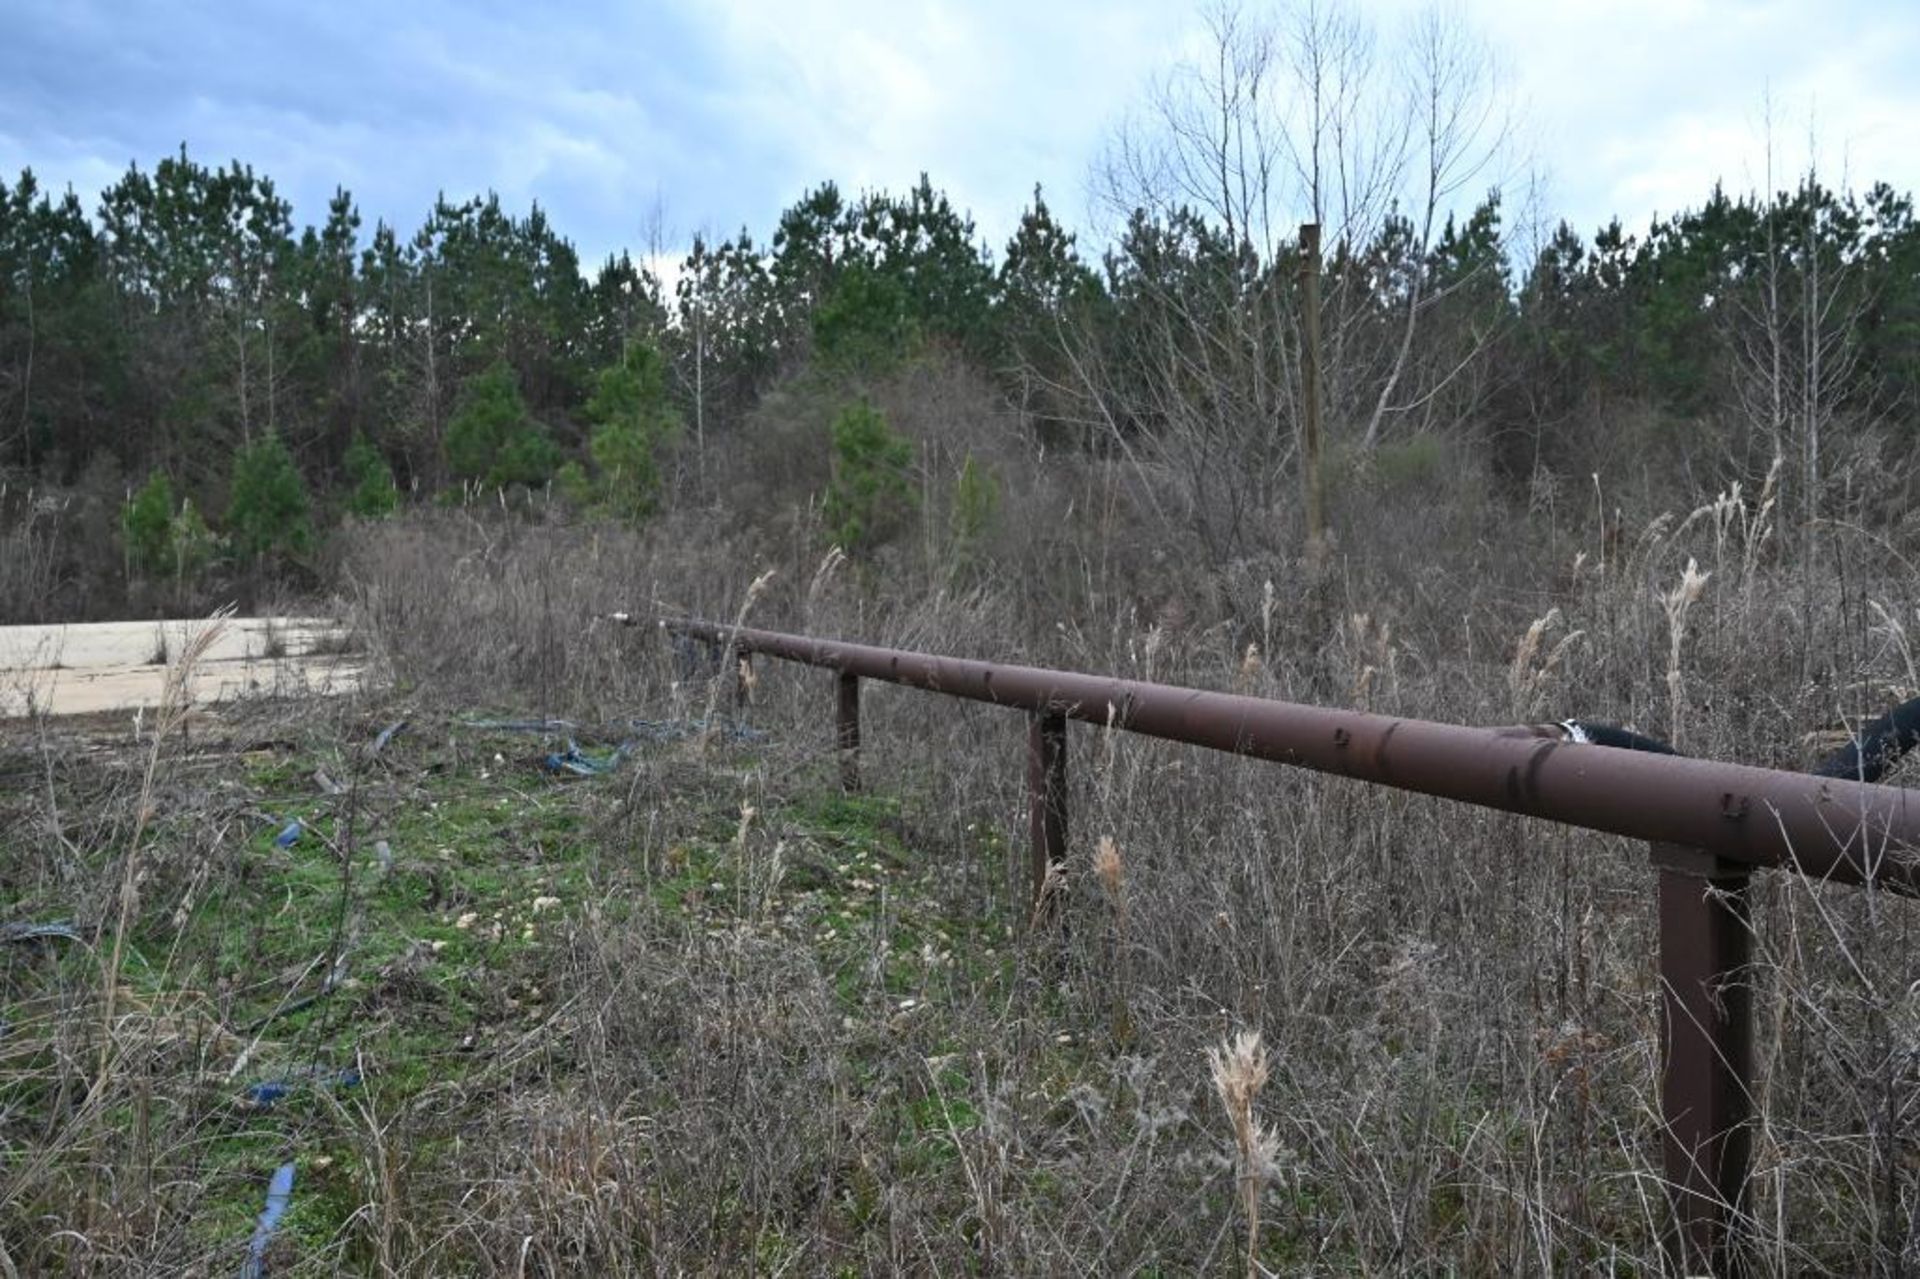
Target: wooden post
pixel 1046 799
pixel 847 730
pixel 1706 1071
pixel 1311 482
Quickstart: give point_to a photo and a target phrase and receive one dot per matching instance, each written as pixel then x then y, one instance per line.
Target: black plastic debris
pixel 1877 747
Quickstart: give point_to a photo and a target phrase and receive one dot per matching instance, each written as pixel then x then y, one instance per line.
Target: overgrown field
pixel 701 1013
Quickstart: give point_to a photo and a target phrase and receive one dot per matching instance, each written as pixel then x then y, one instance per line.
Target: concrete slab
pixel 108 666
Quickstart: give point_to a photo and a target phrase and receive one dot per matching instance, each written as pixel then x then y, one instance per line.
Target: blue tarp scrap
pixel 521 725
pixel 268 1092
pixel 586 763
pixel 20 931
pixel 574 761
pixel 263 1096
pixel 593 763
pixel 289 834
pixel 279 1198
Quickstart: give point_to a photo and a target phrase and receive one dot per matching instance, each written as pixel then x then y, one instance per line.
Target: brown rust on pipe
pixel 1825 827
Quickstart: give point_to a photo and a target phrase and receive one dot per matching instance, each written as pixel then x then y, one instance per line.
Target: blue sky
pixel 643 121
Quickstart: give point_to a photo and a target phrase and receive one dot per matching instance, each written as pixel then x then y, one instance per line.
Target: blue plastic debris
pixel 288 837
pixel 265 1094
pixel 279 1197
pixel 20 931
pixel 387 734
pixel 584 764
pixel 522 725
pixel 633 732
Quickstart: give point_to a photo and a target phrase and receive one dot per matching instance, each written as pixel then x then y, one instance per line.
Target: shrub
pixel 1414 462
pixel 870 492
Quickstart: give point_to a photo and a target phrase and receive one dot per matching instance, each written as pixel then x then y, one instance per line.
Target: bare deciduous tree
pixel 1287 117
pixel 1793 331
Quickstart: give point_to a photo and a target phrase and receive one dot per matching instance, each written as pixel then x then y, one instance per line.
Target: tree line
pixel 184 332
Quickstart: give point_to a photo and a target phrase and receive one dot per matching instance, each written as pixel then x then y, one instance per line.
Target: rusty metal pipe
pixel 1827 828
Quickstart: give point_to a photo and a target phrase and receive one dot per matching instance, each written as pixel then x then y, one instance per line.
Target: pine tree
pixel 194 544
pixel 870 492
pixel 371 493
pixel 147 527
pixel 268 513
pixel 493 438
pixel 866 324
pixel 634 420
pixel 976 505
pixel 1046 296
pixel 529 457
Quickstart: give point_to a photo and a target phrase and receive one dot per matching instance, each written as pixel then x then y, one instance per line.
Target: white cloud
pixel 987 98
pixel 727 110
pixel 1640 105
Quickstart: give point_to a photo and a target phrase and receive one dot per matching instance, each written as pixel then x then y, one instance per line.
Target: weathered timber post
pixel 1310 474
pixel 742 678
pixel 1706 1073
pixel 715 654
pixel 1046 798
pixel 847 730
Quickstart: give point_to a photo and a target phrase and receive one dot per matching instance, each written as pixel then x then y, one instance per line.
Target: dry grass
pixel 1239 1069
pixel 761 1029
